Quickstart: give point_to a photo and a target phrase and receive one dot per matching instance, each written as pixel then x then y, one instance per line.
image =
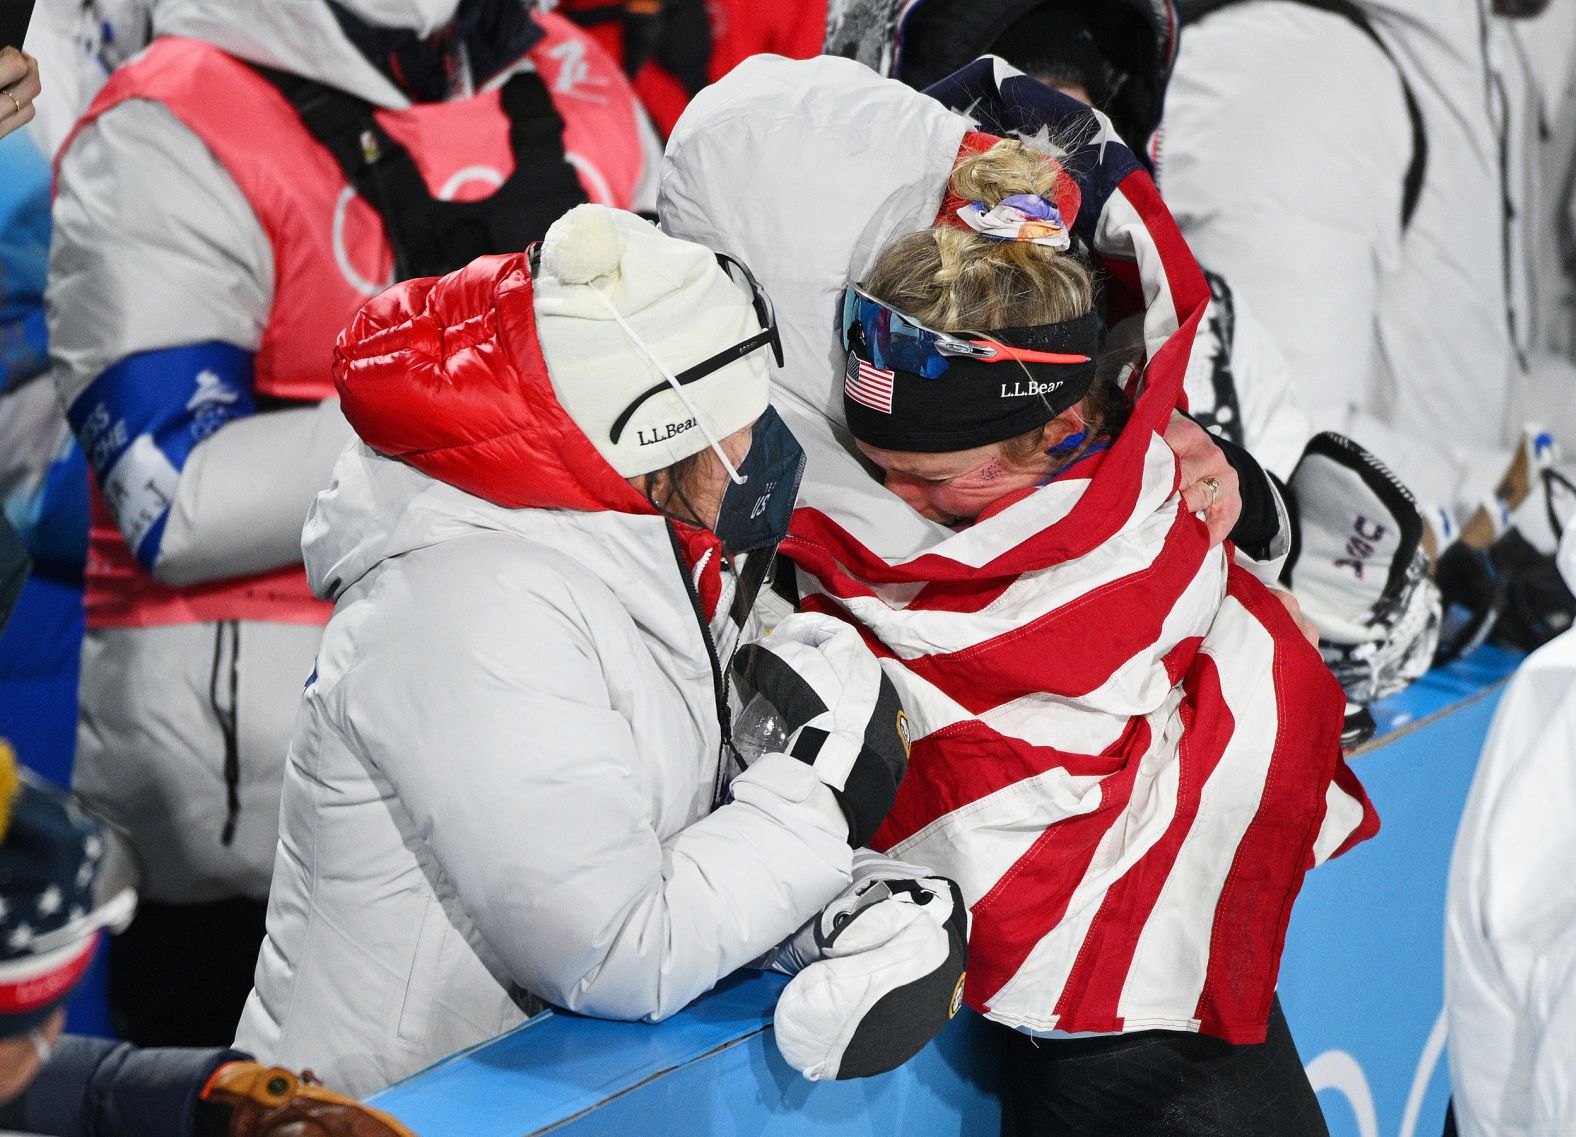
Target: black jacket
pixel 96 1087
pixel 923 41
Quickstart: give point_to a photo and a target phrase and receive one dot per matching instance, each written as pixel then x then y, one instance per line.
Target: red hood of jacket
pixel 446 374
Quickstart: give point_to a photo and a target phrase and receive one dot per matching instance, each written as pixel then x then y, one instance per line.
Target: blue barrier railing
pixel 1361 984
pixel 1362 978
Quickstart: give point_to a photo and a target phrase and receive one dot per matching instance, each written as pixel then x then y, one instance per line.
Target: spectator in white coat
pixel 500 792
pixel 1532 55
pixel 209 245
pixel 1510 919
pixel 1289 142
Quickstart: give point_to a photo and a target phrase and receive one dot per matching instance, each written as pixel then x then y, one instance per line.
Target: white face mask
pixel 424 17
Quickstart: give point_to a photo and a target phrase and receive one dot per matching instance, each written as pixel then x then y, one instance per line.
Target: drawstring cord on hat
pixel 678 387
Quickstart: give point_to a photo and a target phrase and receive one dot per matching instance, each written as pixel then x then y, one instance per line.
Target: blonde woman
pixel 1125 751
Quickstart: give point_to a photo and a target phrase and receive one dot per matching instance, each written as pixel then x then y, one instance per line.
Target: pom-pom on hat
pixel 681 304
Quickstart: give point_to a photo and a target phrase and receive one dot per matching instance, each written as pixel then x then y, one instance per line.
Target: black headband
pixel 974 403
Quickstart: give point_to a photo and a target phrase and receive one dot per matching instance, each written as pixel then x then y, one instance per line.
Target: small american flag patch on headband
pixel 868 385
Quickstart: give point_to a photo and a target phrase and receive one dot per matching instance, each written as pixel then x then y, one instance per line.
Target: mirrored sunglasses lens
pixel 887 339
pixel 847 316
pixel 907 346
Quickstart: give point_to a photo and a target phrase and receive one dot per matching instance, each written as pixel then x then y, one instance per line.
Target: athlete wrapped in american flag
pixel 1124 750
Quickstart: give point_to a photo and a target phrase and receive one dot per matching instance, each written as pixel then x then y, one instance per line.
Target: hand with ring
pixel 19 86
pixel 1209 484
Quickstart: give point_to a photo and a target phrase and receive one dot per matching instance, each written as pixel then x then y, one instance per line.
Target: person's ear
pixel 1068 423
pixel 653 486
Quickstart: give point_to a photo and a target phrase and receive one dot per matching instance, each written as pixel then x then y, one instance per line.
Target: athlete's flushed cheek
pixel 959 500
pixel 970 495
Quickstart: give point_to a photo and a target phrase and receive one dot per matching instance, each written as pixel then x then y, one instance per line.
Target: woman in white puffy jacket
pixel 501 787
pixel 1510 913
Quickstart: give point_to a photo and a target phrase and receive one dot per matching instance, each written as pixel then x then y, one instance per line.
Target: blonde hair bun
pixel 957 280
pixel 1007 168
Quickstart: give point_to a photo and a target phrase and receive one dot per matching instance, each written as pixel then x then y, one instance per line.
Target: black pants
pixel 1158 1083
pixel 180 974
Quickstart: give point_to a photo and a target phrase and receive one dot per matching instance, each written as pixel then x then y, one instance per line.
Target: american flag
pixel 1124 751
pixel 868 384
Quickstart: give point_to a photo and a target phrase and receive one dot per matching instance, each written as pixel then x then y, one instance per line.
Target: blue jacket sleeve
pixel 95 1087
pixel 139 421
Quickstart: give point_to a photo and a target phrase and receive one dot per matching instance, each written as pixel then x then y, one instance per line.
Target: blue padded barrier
pixel 1361 984
pixel 1362 978
pixel 711 1069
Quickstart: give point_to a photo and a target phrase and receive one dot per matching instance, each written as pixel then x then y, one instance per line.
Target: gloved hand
pixel 266 1101
pixel 803 948
pixel 1359 570
pixel 841 713
pixel 1500 577
pixel 883 969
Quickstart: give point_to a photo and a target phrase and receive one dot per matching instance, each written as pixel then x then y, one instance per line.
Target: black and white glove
pixel 840 713
pixel 1359 569
pixel 1500 576
pixel 879 972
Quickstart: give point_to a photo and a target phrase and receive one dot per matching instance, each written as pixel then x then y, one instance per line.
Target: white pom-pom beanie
pixel 673 295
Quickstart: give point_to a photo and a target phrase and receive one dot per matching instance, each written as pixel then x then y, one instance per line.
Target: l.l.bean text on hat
pixel 662 434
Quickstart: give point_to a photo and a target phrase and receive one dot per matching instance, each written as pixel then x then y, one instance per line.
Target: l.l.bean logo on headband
pixel 1022 387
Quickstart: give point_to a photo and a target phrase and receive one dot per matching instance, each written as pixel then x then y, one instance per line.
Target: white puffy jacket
pixel 157 249
pixel 1534 66
pixel 1287 139
pixel 501 782
pixel 1510 917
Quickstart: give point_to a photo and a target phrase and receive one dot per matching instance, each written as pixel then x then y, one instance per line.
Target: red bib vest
pixel 329 250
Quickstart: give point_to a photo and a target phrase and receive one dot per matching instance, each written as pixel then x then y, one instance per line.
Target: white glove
pixel 842 713
pixel 803 948
pixel 888 970
pixel 1360 572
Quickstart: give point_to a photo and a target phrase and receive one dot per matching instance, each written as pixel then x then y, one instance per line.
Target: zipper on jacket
pixel 225 712
pixel 726 755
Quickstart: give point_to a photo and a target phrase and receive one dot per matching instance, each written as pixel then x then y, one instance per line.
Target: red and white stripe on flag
pixel 1123 752
pixel 868 385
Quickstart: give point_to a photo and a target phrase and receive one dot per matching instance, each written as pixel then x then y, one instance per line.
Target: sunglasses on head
pixel 766 337
pixel 893 340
